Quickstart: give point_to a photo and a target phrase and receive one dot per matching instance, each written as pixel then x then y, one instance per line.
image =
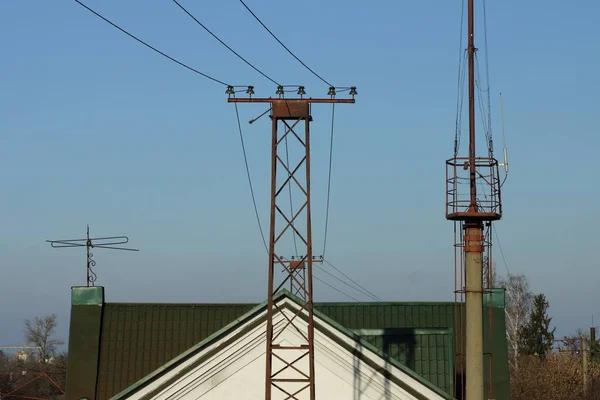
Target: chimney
pixel 87 304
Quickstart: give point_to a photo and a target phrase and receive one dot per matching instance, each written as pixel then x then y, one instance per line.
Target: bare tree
pixel 572 343
pixel 490 277
pixel 519 301
pixel 559 377
pixel 493 276
pixel 39 332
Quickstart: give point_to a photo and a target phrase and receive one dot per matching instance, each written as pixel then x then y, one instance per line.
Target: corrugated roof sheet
pixel 138 338
pixel 389 315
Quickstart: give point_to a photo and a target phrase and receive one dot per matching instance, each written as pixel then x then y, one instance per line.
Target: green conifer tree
pixel 536 335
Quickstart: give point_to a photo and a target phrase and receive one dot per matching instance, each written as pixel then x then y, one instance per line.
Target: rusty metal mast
pixel 290 368
pixel 472 212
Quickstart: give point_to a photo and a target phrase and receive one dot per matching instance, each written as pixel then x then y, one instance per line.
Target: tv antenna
pixel 110 242
pixel 504 150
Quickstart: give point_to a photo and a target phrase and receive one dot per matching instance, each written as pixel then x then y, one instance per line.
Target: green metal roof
pixel 250 314
pixel 136 338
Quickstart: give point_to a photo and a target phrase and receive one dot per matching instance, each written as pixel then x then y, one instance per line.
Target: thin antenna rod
pixel 504 150
pixel 471 61
pixel 90 275
pixel 108 242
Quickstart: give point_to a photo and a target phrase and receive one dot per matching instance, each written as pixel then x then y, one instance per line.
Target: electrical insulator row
pixel 301 91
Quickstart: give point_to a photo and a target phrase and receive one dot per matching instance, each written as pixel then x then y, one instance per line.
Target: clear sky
pixel 95 128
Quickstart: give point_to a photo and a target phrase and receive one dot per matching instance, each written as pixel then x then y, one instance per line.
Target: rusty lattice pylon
pixel 290 368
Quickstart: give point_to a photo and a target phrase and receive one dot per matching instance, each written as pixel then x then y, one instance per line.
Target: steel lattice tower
pixel 290 368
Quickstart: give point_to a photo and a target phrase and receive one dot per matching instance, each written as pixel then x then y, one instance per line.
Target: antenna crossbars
pixel 108 242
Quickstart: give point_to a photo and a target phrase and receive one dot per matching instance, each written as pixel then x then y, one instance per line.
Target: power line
pixel 460 97
pixel 329 180
pixel 487 79
pixel 237 114
pixel 460 83
pixel 223 43
pixel 283 45
pixel 149 46
pixel 336 289
pixel 352 280
pixel 486 124
pixel 496 233
pixel 501 251
pixel 347 284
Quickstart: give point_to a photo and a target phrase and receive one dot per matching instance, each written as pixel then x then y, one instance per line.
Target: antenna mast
pixel 504 150
pixel 89 243
pixel 471 60
pixel 472 210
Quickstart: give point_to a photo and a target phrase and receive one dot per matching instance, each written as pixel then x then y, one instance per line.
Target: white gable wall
pixel 233 367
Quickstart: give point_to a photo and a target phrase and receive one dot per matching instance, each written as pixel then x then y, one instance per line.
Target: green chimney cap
pixel 83 295
pixel 496 296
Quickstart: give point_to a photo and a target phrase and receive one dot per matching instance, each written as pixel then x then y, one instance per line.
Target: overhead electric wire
pixel 487 129
pixel 208 77
pixel 352 280
pixel 283 45
pixel 486 123
pixel 460 83
pixel 501 251
pixel 347 284
pixel 329 179
pixel 487 78
pixel 363 291
pixel 151 47
pixel 237 115
pixel 496 233
pixel 224 44
pixel 336 289
pixel 459 104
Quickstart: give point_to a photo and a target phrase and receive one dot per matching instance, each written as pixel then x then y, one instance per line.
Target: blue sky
pixel 95 128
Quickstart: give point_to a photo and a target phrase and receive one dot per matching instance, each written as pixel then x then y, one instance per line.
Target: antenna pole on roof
pixel 109 242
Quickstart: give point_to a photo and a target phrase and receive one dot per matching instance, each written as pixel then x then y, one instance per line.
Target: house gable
pixel 346 367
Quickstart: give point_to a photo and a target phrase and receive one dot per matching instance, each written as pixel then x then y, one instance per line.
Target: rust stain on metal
pixel 290 109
